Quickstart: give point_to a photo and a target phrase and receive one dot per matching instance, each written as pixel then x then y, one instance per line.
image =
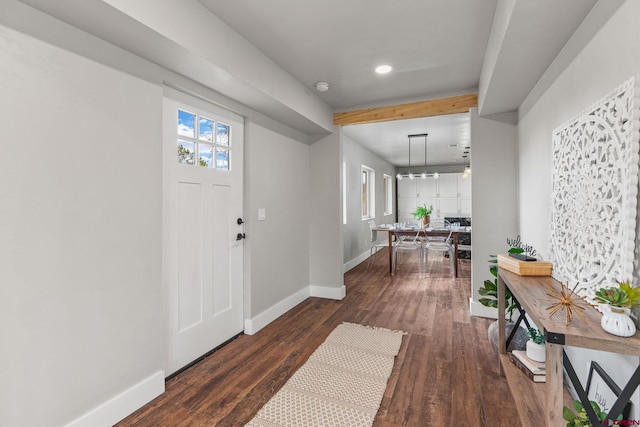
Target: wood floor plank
pixel 445 372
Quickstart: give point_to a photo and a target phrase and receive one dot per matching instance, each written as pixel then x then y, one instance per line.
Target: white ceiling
pixel 281 48
pixel 437 48
pixel 390 141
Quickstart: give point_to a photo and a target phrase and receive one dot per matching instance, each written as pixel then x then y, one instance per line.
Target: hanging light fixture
pixel 424 174
pixel 410 174
pixel 400 176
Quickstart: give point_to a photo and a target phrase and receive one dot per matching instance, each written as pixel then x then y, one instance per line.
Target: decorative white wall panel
pixel 595 192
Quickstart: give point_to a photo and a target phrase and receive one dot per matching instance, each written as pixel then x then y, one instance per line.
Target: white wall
pixel 325 217
pixel 80 222
pixel 277 249
pixel 611 57
pixel 80 233
pixel 493 198
pixel 357 237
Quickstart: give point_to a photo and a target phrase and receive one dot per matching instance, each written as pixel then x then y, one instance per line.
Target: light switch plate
pixel 262 215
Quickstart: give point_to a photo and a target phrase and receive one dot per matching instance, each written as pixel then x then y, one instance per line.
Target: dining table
pixel 455 233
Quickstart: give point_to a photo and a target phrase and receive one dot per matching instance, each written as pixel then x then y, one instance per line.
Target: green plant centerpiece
pixel 422 213
pixel 579 418
pixel 616 303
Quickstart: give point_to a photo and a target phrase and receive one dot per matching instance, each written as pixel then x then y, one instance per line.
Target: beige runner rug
pixel 341 384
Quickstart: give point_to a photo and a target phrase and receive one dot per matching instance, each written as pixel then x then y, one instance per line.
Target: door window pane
pixel 186 152
pixel 222 134
pixel 205 129
pixel 205 154
pixel 186 124
pixel 222 159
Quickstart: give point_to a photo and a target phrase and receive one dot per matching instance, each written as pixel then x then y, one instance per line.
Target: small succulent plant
pixel 624 295
pixel 535 335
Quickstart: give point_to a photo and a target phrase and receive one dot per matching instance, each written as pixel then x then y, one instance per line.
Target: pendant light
pixel 424 174
pixel 399 176
pixel 410 174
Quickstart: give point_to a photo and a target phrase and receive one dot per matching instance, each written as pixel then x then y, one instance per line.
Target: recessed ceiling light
pixel 453 145
pixel 383 69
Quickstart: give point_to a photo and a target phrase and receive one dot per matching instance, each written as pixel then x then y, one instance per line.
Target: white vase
pixel 616 321
pixel 536 351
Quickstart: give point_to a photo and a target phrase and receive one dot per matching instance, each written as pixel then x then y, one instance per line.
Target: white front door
pixel 202 198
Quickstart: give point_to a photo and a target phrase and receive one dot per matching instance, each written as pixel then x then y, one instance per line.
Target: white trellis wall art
pixel 595 193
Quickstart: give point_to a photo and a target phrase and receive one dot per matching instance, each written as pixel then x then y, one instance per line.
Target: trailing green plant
pixel 422 211
pixel 624 295
pixel 489 290
pixel 579 418
pixel 535 335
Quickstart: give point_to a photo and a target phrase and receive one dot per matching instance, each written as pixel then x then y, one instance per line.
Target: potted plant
pixel 489 289
pixel 535 345
pixel 422 213
pixel 616 302
pixel 489 292
pixel 580 418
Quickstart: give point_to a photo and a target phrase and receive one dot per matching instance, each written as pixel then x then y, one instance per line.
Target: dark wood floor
pixel 445 373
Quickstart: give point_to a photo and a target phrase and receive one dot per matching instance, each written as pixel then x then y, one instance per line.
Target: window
pixel 368 192
pixel 344 191
pixel 388 195
pixel 197 140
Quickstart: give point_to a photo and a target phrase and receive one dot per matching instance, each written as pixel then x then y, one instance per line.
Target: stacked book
pixel 534 370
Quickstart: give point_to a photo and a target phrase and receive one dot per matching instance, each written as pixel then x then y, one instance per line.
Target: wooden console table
pixel 540 404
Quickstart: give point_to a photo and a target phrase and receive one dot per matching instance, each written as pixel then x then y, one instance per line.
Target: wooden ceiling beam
pixel 432 107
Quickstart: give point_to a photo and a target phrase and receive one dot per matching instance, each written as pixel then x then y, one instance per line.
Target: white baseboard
pixel 480 310
pixel 251 326
pixel 357 260
pixel 328 292
pixel 124 404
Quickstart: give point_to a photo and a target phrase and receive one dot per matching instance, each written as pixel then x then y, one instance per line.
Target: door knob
pixel 240 221
pixel 240 236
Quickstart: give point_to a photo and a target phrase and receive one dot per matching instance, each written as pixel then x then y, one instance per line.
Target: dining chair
pixel 375 244
pixel 408 243
pixel 439 244
pixel 438 224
